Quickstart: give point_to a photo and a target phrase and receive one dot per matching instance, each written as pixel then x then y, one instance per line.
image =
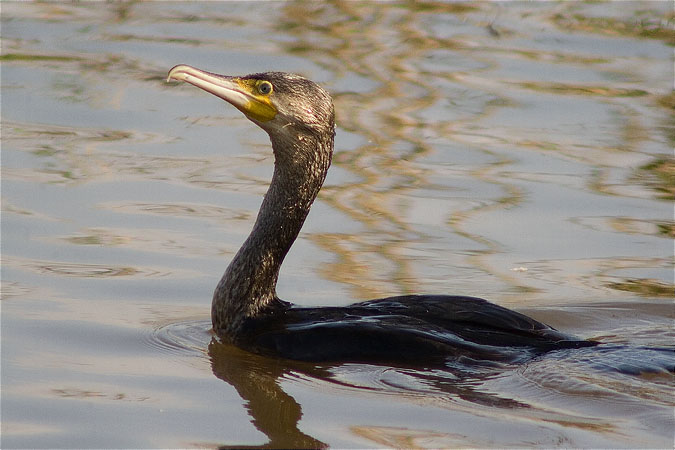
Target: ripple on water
pixel 617 383
pixel 181 339
pixel 187 339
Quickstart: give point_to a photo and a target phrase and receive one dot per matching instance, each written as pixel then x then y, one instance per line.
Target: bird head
pixel 282 104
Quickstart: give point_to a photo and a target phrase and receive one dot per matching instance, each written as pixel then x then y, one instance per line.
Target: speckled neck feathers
pixel 302 158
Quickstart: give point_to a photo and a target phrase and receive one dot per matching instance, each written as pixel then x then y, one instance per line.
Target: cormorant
pixel 299 118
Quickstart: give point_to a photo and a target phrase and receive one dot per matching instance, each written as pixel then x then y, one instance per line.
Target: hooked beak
pixel 234 90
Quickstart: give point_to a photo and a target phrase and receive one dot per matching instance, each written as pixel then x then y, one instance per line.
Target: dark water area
pixel 516 151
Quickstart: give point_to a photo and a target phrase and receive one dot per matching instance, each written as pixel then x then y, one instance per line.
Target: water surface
pixel 515 151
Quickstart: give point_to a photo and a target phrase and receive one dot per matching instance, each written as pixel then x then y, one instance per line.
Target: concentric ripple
pixel 182 339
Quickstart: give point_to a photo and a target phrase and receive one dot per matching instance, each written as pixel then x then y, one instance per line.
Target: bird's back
pixel 410 329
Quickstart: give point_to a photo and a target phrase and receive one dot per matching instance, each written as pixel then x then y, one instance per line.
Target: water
pixel 516 151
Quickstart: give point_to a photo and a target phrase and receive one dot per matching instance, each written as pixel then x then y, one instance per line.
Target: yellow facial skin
pixel 260 106
pixel 251 97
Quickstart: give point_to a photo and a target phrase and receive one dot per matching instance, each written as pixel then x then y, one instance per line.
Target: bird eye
pixel 265 87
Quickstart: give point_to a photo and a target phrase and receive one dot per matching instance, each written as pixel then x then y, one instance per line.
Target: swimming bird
pixel 298 115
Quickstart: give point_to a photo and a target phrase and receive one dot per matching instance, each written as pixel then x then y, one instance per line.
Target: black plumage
pixel 298 116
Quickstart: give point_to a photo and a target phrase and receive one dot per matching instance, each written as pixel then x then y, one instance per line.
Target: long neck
pixel 249 283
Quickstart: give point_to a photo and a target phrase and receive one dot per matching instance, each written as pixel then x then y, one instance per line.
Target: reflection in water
pixel 276 413
pixel 411 82
pixel 607 374
pixel 386 117
pixel 403 119
pixel 401 83
pixel 256 379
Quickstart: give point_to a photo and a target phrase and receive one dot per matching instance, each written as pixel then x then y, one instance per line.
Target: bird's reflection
pixel 256 379
pixel 275 413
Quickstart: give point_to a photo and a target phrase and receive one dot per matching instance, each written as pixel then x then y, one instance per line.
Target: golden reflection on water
pixel 342 37
pixel 386 118
pixel 390 97
pixel 408 438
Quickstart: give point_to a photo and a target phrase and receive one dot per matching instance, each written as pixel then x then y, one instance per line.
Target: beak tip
pixel 174 70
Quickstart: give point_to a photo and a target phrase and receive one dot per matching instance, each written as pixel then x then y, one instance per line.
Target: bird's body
pixel 298 116
pixel 410 329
